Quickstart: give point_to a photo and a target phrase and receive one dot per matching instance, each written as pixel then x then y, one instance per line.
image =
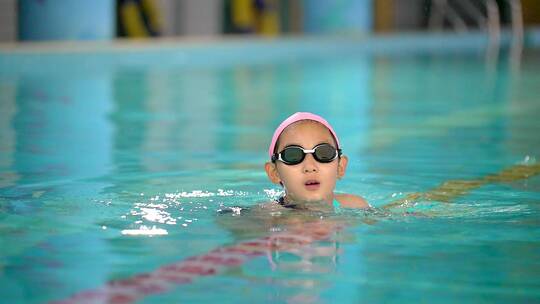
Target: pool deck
pixel 405 39
pixel 231 50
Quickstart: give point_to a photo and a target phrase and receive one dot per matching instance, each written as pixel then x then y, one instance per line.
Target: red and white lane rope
pixel 211 263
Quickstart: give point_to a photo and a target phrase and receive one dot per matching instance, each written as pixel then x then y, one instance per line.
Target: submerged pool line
pixel 212 263
pixel 220 259
pixel 451 189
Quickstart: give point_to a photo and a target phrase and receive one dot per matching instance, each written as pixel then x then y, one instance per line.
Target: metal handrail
pixel 517 32
pixel 494 22
pixel 442 9
pixel 446 10
pixel 517 21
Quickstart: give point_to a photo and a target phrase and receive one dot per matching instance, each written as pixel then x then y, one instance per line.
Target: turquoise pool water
pixel 115 161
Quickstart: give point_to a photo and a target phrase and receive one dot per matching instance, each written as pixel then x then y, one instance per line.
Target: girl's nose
pixel 310 164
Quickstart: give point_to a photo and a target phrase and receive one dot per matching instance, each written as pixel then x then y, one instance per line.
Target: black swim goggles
pixel 293 155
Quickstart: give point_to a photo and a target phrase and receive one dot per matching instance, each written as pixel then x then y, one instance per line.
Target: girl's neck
pixel 291 202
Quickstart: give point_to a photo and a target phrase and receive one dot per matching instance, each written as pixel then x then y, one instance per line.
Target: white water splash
pixel 145 230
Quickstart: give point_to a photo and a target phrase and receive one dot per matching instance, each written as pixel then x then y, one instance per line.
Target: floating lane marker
pixel 167 277
pixel 451 189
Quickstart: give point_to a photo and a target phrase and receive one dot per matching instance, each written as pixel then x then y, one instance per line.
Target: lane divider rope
pixel 216 261
pixel 452 189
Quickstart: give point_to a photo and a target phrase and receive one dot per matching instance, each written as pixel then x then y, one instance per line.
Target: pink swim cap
pixel 298 116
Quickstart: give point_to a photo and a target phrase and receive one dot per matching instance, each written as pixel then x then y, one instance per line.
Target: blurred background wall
pixel 8 20
pixel 109 19
pixel 66 20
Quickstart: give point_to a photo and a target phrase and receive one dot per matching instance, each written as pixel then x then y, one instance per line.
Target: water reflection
pixel 204 125
pixel 303 251
pixel 8 176
pixel 448 110
pixel 56 134
pixel 56 139
pixel 60 128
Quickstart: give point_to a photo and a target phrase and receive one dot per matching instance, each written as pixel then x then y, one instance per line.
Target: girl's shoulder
pixel 351 201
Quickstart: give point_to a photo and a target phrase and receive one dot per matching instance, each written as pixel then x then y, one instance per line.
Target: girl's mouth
pixel 312 185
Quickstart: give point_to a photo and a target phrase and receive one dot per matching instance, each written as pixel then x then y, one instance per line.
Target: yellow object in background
pixel 269 19
pixel 255 16
pixel 531 11
pixel 243 15
pixel 384 15
pixel 132 23
pixel 138 18
pixel 151 12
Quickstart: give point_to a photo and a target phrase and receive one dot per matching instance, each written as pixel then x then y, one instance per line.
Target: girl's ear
pixel 342 166
pixel 271 171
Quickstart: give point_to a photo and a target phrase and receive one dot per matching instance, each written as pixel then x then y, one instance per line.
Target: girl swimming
pixel 306 160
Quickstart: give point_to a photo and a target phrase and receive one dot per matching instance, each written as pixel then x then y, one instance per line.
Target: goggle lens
pixel 323 153
pixel 292 155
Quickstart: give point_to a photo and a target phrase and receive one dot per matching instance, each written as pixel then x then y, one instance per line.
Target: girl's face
pixel 309 180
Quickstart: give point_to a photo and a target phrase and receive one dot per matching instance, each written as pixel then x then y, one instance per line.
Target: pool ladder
pixel 455 12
